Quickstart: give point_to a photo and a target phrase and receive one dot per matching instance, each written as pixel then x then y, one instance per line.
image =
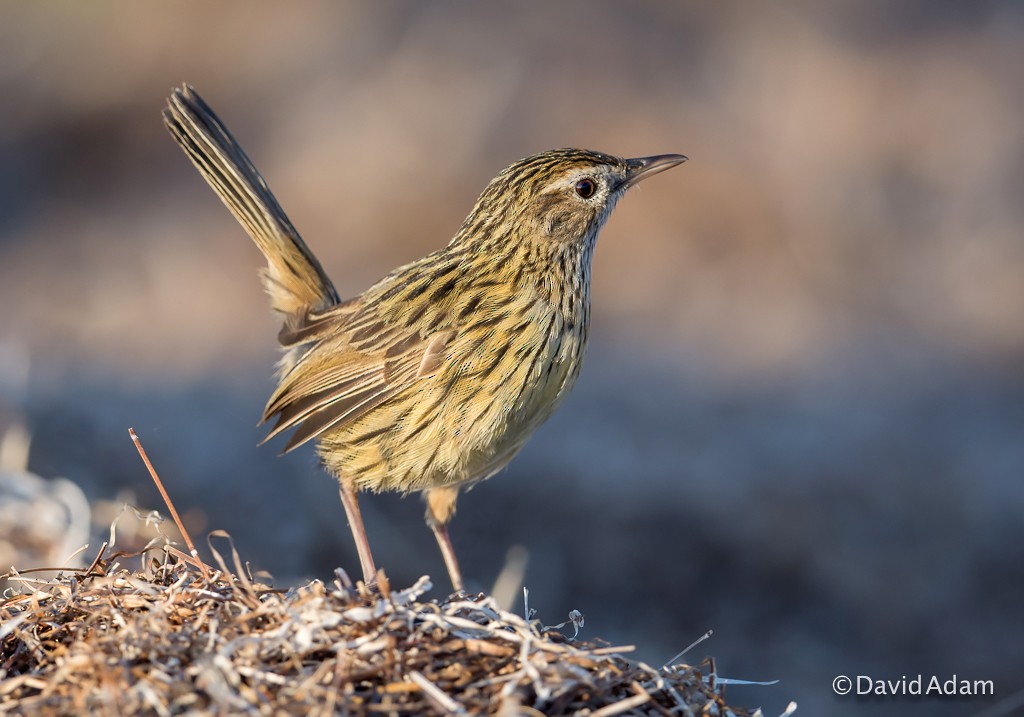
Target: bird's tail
pixel 294 278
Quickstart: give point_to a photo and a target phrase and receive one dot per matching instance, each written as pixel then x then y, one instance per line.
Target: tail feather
pixel 294 278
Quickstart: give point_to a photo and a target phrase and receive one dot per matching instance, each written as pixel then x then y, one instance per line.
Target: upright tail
pixel 294 278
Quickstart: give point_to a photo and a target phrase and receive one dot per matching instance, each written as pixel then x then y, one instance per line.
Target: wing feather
pixel 335 383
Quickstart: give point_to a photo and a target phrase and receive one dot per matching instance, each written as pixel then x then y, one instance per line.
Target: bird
pixel 433 378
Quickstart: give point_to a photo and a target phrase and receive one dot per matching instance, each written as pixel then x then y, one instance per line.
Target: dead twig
pixel 170 505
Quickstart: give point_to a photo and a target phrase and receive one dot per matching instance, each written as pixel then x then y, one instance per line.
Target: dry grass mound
pixel 176 636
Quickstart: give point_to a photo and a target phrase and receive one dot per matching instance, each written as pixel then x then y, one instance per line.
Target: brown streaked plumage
pixel 435 376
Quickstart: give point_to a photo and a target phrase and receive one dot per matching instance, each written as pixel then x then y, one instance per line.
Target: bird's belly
pixel 463 424
pixel 529 392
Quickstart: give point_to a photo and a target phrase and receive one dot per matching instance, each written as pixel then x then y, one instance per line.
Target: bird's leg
pixel 440 509
pixel 355 522
pixel 450 561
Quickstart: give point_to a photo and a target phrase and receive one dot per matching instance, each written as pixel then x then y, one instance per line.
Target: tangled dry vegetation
pixel 177 636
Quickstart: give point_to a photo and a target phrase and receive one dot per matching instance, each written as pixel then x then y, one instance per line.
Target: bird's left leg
pixel 440 510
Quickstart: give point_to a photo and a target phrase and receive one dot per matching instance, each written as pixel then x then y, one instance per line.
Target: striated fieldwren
pixel 435 376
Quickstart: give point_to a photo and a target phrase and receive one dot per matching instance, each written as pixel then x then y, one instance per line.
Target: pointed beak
pixel 643 167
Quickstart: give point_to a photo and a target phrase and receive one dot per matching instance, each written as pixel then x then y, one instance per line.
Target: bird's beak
pixel 643 167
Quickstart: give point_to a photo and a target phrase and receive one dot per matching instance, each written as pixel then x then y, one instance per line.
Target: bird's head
pixel 562 196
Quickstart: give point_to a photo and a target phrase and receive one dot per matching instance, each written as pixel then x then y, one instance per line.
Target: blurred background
pixel 800 423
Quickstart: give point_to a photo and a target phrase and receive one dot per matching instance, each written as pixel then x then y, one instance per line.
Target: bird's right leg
pixel 350 500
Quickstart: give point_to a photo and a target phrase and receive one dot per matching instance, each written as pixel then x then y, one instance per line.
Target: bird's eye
pixel 586 188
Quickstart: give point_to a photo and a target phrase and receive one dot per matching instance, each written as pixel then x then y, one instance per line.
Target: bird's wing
pixel 348 372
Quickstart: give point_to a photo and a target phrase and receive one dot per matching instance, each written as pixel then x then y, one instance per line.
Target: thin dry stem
pixel 170 505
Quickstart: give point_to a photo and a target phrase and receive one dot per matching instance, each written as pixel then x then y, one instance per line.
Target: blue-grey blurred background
pixel 801 423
